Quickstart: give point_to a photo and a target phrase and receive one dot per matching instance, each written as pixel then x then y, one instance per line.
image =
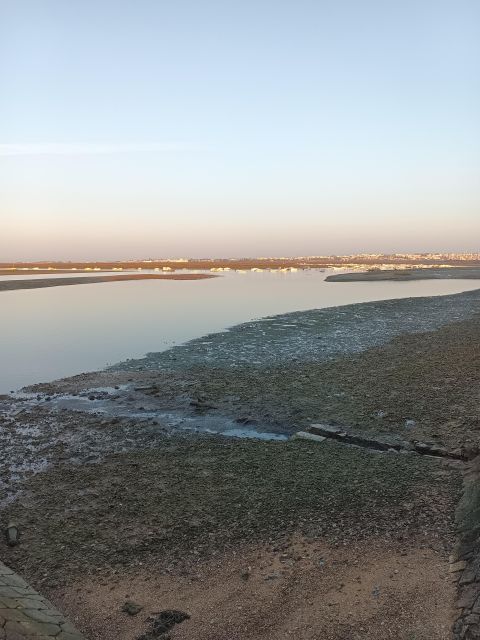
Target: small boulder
pixel 12 534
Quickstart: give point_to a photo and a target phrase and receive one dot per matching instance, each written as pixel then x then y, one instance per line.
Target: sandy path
pixel 306 590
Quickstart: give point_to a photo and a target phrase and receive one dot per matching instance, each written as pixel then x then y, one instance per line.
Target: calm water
pixel 50 333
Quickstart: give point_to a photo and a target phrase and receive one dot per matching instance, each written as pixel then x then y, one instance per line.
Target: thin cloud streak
pixel 79 149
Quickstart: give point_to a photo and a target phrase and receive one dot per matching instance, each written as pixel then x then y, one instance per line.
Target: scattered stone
pixel 275 575
pixel 132 608
pixel 163 622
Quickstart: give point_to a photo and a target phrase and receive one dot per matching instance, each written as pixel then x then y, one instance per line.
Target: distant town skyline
pixel 130 130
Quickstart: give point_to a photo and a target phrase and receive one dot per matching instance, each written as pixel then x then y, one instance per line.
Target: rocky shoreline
pixel 126 477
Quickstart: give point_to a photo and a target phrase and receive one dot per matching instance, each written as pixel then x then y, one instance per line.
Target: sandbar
pixel 405 275
pixel 13 285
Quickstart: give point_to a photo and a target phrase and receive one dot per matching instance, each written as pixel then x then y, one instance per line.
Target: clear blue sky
pixel 261 127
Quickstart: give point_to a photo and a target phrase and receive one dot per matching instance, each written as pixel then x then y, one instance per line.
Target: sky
pixel 147 128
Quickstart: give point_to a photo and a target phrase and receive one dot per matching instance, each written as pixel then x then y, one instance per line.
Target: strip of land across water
pixel 40 283
pixel 124 488
pixel 405 275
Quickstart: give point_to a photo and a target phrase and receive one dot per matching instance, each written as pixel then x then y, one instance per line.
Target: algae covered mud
pixel 123 489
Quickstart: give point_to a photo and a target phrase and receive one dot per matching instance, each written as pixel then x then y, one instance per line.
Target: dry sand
pixel 310 592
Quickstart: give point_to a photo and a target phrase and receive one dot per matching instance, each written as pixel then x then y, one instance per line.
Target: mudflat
pixel 121 494
pixel 404 275
pixel 40 283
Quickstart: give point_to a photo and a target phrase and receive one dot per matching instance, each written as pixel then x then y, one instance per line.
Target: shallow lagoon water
pixel 54 332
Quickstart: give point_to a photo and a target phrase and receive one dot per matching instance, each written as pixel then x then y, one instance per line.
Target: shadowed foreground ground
pixel 245 536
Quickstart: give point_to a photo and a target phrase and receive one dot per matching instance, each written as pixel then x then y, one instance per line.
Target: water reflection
pixel 54 332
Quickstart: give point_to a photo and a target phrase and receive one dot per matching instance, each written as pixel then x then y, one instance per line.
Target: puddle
pixel 123 402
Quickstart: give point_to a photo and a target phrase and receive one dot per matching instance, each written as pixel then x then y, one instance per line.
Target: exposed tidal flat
pixel 13 283
pixel 406 275
pixel 118 489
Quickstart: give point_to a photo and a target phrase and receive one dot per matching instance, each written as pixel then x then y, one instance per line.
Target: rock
pixel 431 449
pixel 376 591
pixel 468 597
pixel 132 608
pixel 468 576
pixel 326 429
pixel 273 576
pixel 245 420
pixel 410 424
pixel 163 623
pixel 12 534
pixel 457 566
pixel 203 404
pixel 470 451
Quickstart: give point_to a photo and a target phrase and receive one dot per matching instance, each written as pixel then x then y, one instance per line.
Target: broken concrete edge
pixel 24 613
pixel 347 435
pixel 465 559
pixel 305 435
